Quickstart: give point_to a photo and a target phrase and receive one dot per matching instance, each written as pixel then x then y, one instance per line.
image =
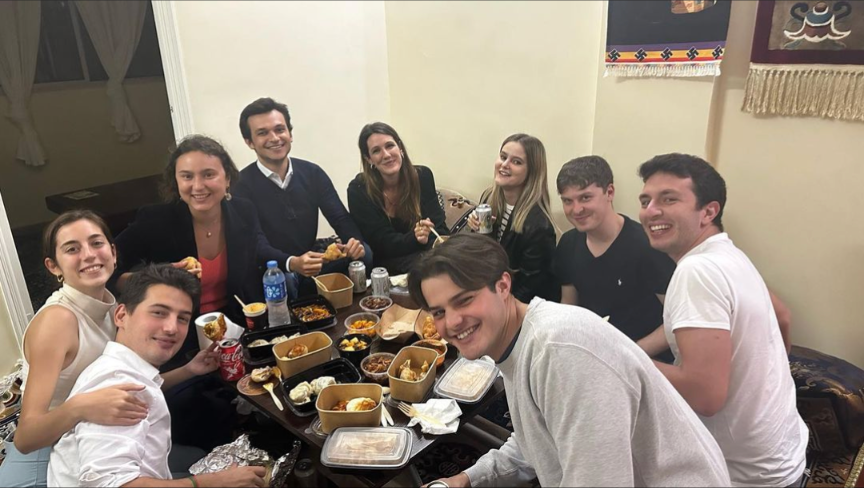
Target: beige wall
pixel 326 60
pixel 465 75
pixel 75 129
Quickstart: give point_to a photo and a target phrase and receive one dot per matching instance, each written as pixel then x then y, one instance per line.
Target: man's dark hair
pixel 708 185
pixel 472 261
pixel 141 279
pixel 258 107
pixel 583 172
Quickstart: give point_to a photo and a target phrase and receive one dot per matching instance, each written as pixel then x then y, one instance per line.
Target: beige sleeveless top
pixel 95 329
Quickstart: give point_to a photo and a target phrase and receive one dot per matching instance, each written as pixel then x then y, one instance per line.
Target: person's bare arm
pixel 51 336
pixel 569 295
pixel 655 343
pixel 784 320
pixel 232 477
pixel 702 378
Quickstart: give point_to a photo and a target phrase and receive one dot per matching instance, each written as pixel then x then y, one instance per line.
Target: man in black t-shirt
pixel 606 263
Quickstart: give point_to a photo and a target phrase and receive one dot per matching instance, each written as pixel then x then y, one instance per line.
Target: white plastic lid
pixel 467 381
pixel 367 447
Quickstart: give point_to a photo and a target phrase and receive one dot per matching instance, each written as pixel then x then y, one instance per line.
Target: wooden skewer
pixel 240 301
pixel 320 283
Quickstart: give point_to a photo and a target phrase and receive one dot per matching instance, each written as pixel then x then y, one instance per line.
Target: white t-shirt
pixel 99 455
pixel 715 286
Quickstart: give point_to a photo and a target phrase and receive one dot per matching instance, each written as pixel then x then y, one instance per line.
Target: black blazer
pixel 393 238
pixel 531 254
pixel 164 234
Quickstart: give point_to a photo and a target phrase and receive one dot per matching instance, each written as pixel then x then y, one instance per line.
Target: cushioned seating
pixel 456 209
pixel 830 400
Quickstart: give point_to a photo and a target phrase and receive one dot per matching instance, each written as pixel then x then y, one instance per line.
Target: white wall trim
pixel 12 283
pixel 172 66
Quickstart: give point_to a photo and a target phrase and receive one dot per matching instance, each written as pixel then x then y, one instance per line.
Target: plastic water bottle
pixel 276 295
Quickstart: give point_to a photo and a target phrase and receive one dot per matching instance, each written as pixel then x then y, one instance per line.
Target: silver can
pixel 357 273
pixel 483 212
pixel 438 484
pixel 380 282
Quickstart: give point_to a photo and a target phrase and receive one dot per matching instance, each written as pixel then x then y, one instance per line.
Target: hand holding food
pixel 216 329
pixel 333 253
pixel 308 264
pixel 190 264
pixel 421 231
pixel 354 249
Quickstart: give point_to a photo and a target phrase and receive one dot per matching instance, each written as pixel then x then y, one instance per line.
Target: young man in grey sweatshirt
pixel 588 406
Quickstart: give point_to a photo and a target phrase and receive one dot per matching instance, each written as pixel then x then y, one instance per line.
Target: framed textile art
pixel 666 37
pixel 807 60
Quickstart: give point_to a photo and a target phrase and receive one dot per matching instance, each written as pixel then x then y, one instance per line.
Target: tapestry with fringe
pixel 807 60
pixel 666 37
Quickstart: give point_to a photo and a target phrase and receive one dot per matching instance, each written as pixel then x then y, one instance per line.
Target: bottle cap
pixel 271 264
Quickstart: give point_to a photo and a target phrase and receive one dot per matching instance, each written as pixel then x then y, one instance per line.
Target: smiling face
pixel 384 154
pixel 473 321
pixel 271 138
pixel 587 208
pixel 511 167
pixel 157 327
pixel 671 216
pixel 84 257
pixel 201 181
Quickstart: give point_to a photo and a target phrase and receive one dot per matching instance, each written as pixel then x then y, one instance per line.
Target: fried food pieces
pixel 333 253
pixel 215 330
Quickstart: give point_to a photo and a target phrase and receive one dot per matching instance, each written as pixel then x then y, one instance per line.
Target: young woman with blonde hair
pixel 522 217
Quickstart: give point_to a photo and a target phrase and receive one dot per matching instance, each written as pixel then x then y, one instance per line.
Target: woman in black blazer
pixel 394 203
pixel 523 222
pixel 201 220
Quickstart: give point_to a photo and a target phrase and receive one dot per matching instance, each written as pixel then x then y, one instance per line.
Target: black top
pixel 622 283
pixel 394 238
pixel 164 234
pixel 289 218
pixel 530 255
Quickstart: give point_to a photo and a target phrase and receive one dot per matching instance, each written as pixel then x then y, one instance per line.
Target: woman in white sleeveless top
pixel 67 334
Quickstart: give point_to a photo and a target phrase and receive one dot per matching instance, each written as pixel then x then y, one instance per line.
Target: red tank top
pixel 214 276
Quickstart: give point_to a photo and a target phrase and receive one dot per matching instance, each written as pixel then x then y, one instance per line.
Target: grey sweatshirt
pixel 590 409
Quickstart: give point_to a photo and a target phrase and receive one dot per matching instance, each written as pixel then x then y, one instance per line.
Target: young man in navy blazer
pixel 288 193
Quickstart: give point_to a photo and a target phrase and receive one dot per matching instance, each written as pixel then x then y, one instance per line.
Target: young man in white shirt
pixel 588 407
pixel 152 318
pixel 731 364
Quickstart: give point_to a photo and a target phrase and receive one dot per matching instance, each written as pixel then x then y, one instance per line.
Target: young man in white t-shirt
pixel 730 359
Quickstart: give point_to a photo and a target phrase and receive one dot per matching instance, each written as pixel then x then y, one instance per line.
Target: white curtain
pixel 115 28
pixel 19 46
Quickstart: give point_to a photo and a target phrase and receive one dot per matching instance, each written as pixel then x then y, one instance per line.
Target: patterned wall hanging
pixel 666 37
pixel 807 60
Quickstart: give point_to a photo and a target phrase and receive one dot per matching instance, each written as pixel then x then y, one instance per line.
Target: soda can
pixel 231 360
pixel 484 215
pixel 357 273
pixel 438 484
pixel 380 282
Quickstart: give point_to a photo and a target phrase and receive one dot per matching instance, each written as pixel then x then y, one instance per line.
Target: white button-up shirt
pixel 99 455
pixel 274 177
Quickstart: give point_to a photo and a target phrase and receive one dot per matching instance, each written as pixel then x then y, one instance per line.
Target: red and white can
pixel 231 360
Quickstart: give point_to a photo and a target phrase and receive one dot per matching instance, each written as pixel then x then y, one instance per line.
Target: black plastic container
pixel 341 369
pixel 324 323
pixel 262 355
pixel 355 356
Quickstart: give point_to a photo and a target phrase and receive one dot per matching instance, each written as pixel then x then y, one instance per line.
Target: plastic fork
pixel 410 411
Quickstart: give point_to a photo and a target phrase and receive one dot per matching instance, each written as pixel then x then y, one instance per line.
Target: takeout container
pixel 319 352
pixel 412 391
pixel 324 323
pixel 467 381
pixel 438 346
pixel 365 304
pixel 355 356
pixel 261 355
pixel 331 395
pixel 369 331
pixel 340 289
pixel 340 369
pixel 380 378
pixel 402 318
pixel 368 448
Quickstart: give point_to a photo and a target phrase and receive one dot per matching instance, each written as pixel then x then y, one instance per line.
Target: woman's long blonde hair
pixel 535 191
pixel 408 206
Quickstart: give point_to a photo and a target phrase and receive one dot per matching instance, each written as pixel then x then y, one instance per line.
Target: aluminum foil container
pixel 241 453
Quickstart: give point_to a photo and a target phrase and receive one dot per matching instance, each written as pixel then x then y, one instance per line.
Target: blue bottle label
pixel 275 292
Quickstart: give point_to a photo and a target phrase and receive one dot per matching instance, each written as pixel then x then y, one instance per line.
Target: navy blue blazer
pixel 164 234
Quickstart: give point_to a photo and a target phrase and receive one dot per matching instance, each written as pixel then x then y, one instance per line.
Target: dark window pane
pixel 58 52
pixel 146 62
